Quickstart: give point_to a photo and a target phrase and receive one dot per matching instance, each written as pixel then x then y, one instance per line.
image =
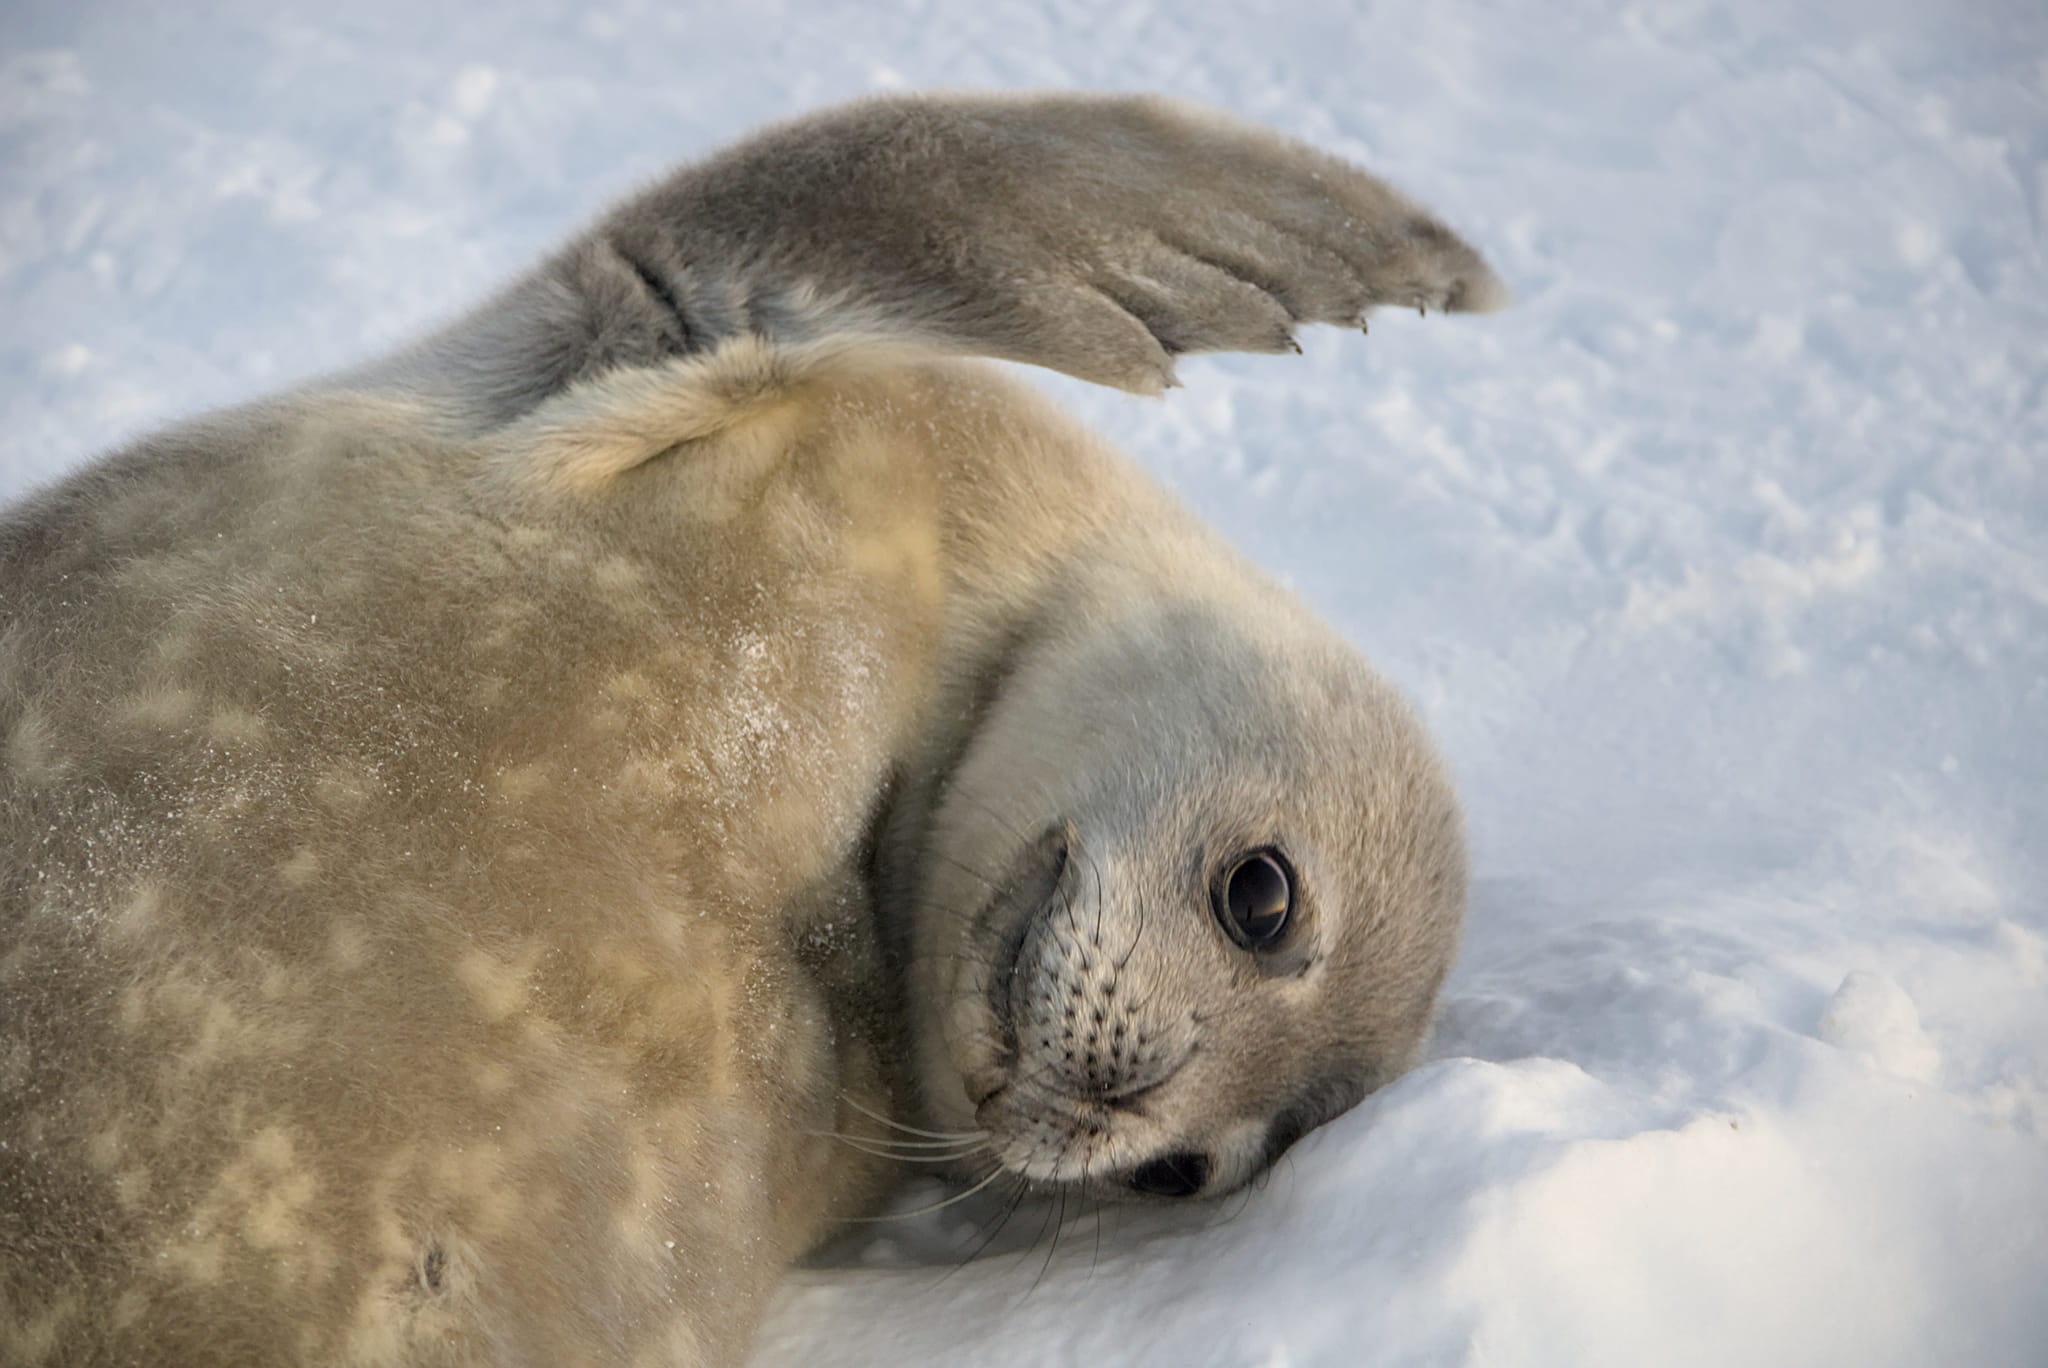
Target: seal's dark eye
pixel 1254 898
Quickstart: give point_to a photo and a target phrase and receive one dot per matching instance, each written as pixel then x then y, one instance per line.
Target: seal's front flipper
pixel 1096 235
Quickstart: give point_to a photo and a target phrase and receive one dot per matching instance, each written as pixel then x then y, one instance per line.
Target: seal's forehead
pixel 1273 692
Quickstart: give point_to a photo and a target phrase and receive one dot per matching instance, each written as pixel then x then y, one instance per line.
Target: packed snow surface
pixel 1719 565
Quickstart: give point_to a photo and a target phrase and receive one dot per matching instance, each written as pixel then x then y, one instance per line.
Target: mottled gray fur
pixel 478 830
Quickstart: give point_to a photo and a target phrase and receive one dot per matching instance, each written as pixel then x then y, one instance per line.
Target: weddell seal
pixel 499 844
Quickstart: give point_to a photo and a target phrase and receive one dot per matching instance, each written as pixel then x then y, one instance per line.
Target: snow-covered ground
pixel 1720 565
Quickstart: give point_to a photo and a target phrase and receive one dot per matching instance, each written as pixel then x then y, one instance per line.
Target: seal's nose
pixel 1180 1173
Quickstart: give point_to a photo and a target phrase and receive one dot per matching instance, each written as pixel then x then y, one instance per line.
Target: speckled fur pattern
pixel 476 828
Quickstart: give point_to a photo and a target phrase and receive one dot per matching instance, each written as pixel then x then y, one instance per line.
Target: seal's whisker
pixel 1059 1220
pixel 894 1124
pixel 1101 898
pixel 1095 1259
pixel 939 1149
pixel 853 1142
pixel 989 811
pixel 1015 1200
pixel 963 1144
pixel 979 876
pixel 996 1173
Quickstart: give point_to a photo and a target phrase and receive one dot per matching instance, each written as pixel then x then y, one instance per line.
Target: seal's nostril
pixel 1179 1174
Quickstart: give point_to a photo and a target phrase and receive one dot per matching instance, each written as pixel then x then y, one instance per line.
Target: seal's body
pixel 477 830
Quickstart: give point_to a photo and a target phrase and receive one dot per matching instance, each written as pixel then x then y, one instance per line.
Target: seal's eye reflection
pixel 1254 898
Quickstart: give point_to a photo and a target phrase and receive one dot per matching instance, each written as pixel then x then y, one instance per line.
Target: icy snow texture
pixel 1720 564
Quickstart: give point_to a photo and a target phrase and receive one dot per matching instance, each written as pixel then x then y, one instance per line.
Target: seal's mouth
pixel 1003 980
pixel 1004 925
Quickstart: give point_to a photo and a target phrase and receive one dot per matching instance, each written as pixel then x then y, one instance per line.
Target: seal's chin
pixel 1104 1150
pixel 1050 1139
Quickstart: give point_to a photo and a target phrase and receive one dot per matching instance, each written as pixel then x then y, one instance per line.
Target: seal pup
pixel 499 843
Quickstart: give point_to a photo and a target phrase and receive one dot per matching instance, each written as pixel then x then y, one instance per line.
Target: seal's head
pixel 1190 892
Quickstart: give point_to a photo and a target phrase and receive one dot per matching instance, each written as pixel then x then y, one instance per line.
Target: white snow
pixel 1719 564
